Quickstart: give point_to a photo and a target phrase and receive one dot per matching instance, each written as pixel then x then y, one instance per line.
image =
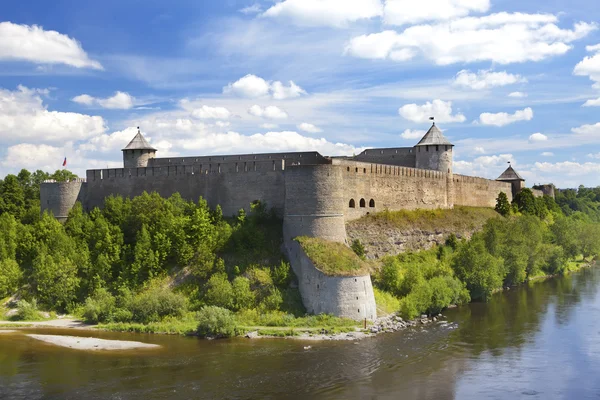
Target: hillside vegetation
pixel 332 258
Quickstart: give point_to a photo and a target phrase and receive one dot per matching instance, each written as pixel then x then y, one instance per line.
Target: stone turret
pixel 516 181
pixel 138 152
pixel 434 152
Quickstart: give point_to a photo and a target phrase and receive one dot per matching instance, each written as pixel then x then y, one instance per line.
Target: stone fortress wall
pixel 315 195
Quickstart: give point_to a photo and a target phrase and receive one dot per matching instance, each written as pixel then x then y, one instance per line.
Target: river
pixel 536 342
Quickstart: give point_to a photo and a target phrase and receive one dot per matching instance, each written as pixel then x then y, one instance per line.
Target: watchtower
pixel 138 152
pixel 516 181
pixel 434 151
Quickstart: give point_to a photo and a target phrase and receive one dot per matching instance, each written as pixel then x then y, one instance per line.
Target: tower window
pixel 363 203
pixel 371 203
pixel 352 204
pixel 437 148
pixel 426 148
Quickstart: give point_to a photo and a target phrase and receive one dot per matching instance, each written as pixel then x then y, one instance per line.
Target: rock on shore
pixel 89 343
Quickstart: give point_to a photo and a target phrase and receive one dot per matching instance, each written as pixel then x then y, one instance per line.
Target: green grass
pixel 458 219
pixel 165 327
pixel 386 302
pixel 333 258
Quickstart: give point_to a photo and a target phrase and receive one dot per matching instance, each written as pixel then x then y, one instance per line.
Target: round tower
pixel 314 202
pixel 138 152
pixel 60 197
pixel 434 151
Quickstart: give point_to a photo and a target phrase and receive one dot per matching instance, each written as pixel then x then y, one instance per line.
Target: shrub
pixel 28 311
pixel 243 296
pixel 219 291
pixel 281 274
pixel 386 302
pixel 272 301
pixel 155 303
pixel 10 275
pixel 216 321
pixel 99 307
pixel 502 204
pixel 358 248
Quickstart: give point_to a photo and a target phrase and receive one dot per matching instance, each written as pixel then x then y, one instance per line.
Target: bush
pixel 216 321
pixel 358 248
pixel 10 275
pixel 28 311
pixel 281 274
pixel 243 296
pixel 386 302
pixel 155 303
pixel 99 307
pixel 502 204
pixel 219 291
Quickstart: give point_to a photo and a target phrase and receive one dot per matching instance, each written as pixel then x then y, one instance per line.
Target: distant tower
pixel 516 181
pixel 434 151
pixel 138 152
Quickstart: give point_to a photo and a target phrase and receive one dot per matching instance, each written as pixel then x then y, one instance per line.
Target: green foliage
pixel 155 303
pixel 219 291
pixel 281 274
pixel 386 302
pixel 502 204
pixel 333 258
pixel 99 307
pixel 55 281
pixel 28 311
pixel 10 276
pixel 243 296
pixel 358 248
pixel 216 321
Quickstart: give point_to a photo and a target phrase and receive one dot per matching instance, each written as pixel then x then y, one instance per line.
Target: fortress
pixel 315 195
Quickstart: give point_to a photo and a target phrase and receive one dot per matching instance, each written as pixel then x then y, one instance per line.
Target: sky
pixel 506 80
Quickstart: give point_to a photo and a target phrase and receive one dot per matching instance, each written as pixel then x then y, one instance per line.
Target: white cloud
pixel 400 12
pixel 23 116
pixel 253 9
pixel 118 101
pixel 441 110
pixel 486 79
pixel 34 44
pixel 569 168
pixel 112 142
pixel 592 103
pixel 485 166
pixel 206 112
pixel 590 65
pixel 269 112
pixel 518 95
pixel 479 150
pixel 538 137
pixel 597 155
pixel 306 127
pixel 502 119
pixel 503 38
pixel 269 126
pixel 252 86
pixel 412 134
pixel 547 154
pixel 281 92
pixel 336 13
pixel 222 124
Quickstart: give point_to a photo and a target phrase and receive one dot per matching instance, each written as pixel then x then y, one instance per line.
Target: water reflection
pixel 538 341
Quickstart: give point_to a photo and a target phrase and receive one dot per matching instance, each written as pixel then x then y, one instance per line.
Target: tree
pixel 243 296
pixel 55 281
pixel 63 175
pixel 10 276
pixel 13 197
pixel 145 263
pixel 525 202
pixel 219 291
pixel 502 204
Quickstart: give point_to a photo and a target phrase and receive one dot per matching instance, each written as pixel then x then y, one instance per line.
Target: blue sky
pixel 506 80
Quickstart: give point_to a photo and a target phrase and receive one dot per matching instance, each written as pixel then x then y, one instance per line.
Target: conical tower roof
pixel 510 175
pixel 139 142
pixel 434 136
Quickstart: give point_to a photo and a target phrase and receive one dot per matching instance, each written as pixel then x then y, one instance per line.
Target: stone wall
pixel 137 158
pixel 60 197
pixel 345 296
pixel 218 184
pixel 371 188
pixel 241 161
pixel 478 192
pixel 399 156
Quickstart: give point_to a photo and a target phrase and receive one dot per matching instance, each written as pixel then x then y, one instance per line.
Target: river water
pixel 536 342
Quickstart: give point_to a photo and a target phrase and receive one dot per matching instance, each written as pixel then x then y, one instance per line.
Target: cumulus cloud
pixel 592 103
pixel 206 112
pixel 310 128
pixel 269 112
pixel 590 65
pixel 253 9
pixel 118 101
pixel 23 116
pixel 568 168
pixel 111 142
pixel 486 79
pixel 503 38
pixel 479 150
pixel 335 13
pixel 485 166
pixel 538 137
pixel 412 134
pixel 400 12
pixel 441 110
pixel 502 119
pixel 269 126
pixel 547 154
pixel 34 44
pixel 517 95
pixel 252 86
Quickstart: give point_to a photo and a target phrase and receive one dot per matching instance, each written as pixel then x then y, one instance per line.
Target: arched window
pixel 363 203
pixel 371 203
pixel 352 204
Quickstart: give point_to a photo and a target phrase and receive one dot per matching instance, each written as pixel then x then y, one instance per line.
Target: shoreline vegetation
pixel 152 264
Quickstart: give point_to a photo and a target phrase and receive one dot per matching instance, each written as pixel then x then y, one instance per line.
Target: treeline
pixel 142 259
pixel 536 237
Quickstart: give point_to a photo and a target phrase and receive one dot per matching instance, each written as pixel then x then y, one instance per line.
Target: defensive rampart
pixel 478 192
pixel 60 197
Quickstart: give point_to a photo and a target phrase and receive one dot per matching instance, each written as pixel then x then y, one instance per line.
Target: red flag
pixel 65 162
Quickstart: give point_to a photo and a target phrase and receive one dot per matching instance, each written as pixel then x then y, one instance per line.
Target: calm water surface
pixel 537 342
